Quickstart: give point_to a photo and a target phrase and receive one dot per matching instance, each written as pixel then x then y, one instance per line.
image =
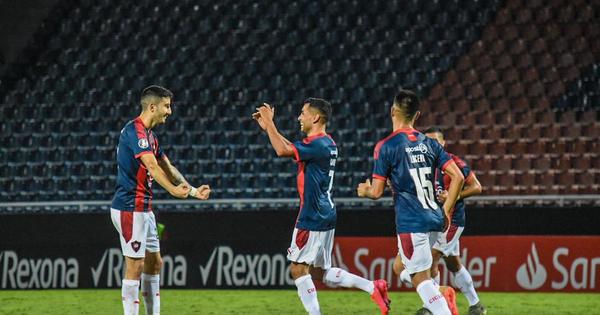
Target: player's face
pixel 437 137
pixel 306 118
pixel 163 110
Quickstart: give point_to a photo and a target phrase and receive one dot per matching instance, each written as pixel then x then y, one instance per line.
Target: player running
pixel 447 244
pixel 312 239
pixel 140 160
pixel 409 159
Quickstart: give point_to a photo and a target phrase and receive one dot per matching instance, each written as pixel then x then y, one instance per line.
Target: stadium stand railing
pixel 288 204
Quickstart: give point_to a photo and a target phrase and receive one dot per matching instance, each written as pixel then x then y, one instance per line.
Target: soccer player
pixel 447 244
pixel 409 159
pixel 140 160
pixel 312 239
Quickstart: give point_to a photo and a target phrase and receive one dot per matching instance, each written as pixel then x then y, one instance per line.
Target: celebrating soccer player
pixel 447 244
pixel 312 240
pixel 409 159
pixel 140 160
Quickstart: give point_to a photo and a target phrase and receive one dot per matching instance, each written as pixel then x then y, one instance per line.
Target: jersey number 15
pixel 424 187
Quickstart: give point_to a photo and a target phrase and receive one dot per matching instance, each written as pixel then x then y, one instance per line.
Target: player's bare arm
pixel 472 187
pixel 372 191
pixel 202 192
pixel 456 183
pixel 264 116
pixel 173 173
pixel 179 191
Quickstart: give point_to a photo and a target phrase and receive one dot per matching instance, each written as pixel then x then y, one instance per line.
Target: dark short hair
pixel 434 129
pixel 157 91
pixel 323 106
pixel 408 102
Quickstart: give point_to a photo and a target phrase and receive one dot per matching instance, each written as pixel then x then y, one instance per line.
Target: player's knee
pixel 453 263
pixel 317 273
pixel 156 265
pixel 453 268
pixel 396 269
pixel 135 267
pixel 332 277
pixel 298 270
pixel 434 270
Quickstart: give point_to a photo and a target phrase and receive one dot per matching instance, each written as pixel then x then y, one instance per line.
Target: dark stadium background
pixel 514 84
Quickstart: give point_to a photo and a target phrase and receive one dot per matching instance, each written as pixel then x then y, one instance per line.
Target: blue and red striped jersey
pixel 409 159
pixel 316 157
pixel 134 183
pixel 443 182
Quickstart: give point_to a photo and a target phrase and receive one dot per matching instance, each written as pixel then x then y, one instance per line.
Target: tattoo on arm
pixel 174 175
pixel 177 177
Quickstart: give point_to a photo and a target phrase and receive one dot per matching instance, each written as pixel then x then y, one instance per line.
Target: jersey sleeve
pixel 462 165
pixel 381 166
pixel 305 151
pixel 160 154
pixel 443 159
pixel 137 141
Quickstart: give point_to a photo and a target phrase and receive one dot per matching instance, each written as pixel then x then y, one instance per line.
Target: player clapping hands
pixel 264 115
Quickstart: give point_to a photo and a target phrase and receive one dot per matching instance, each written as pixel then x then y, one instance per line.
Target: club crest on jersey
pixel 143 143
pixel 136 246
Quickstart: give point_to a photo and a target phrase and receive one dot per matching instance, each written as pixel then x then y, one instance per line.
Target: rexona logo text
pixel 240 270
pixel 532 274
pixel 35 273
pixel 111 265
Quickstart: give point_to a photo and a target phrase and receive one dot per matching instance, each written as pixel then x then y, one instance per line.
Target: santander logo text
pixel 532 275
pixel 496 263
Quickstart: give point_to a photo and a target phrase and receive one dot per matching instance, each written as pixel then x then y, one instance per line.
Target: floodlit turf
pixel 280 302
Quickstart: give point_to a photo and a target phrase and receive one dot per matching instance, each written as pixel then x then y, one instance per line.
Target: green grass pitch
pixel 281 302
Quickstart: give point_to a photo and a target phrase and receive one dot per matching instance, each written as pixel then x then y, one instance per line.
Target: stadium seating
pixel 530 105
pixel 514 85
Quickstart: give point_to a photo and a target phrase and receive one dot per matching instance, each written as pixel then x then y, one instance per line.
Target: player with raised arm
pixel 447 244
pixel 312 239
pixel 140 160
pixel 409 159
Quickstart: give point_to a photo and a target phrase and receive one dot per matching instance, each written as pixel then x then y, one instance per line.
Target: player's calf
pixel 308 294
pixel 336 277
pixel 130 297
pixel 432 298
pixel 464 282
pixel 150 292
